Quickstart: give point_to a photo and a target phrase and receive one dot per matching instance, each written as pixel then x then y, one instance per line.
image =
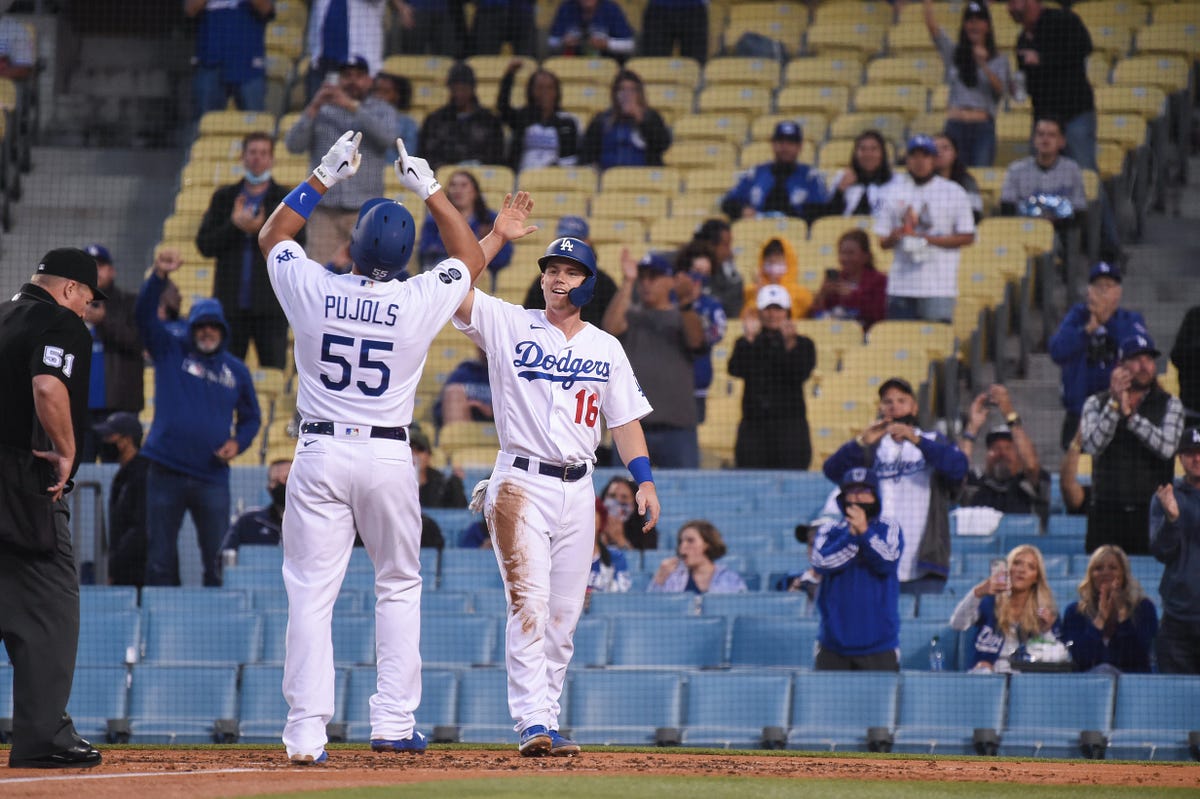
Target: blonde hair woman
pixel 1011 606
pixel 1112 626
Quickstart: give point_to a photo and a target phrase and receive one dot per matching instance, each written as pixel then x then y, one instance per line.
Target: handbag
pixel 26 510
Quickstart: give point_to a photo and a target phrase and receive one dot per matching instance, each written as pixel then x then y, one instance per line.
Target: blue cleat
pixel 535 741
pixel 414 745
pixel 562 747
pixel 309 760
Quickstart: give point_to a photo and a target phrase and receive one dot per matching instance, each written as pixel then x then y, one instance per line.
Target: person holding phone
pixel 629 132
pixel 856 290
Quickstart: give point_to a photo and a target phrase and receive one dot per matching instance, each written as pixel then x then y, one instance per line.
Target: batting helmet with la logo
pixel 576 251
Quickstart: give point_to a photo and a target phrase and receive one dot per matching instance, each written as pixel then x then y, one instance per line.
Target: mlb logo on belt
pixel 351 431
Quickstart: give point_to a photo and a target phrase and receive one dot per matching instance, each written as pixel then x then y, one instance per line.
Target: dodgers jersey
pixel 548 392
pixel 361 344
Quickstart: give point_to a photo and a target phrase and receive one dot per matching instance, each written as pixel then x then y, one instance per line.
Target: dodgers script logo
pixel 565 369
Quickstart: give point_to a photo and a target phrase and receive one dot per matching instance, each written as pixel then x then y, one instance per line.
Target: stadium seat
pixel 730 97
pixel 591 640
pixel 1154 715
pixel 644 206
pixel 603 709
pixel 730 710
pixel 1047 712
pixel 483 715
pixel 194 638
pixel 813 124
pixel 108 637
pixel 832 710
pixel 862 39
pixel 916 644
pixel 1148 101
pixel 235 123
pixel 785 605
pixel 725 128
pixel 453 640
pixel 668 641
pixel 641 179
pixel 575 70
pixel 825 99
pixel 908 99
pixel 201 601
pixel 850 124
pixel 674 102
pixel 763 72
pixel 585 100
pixel 1172 40
pixel 765 641
pixel 823 71
pixel 684 72
pixel 940 711
pixel 558 178
pixel 98 694
pixel 457 560
pixel 104 598
pixel 1035 235
pixel 1168 72
pixel 922 70
pixel 181 704
pixel 263 710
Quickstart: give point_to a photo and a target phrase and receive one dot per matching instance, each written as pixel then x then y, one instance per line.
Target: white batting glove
pixel 477 495
pixel 415 173
pixel 342 160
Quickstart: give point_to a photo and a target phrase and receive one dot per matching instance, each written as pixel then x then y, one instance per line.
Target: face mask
pixel 279 495
pixel 872 509
pixel 259 179
pixel 775 268
pixel 618 509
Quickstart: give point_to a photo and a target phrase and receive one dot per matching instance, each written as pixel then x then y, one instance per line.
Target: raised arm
pixel 508 226
pixel 340 163
pixel 616 316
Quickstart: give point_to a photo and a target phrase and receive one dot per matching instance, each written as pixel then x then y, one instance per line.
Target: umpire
pixel 45 360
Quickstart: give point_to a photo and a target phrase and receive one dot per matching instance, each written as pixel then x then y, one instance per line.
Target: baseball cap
pixel 1104 269
pixel 418 440
pixel 120 423
pixel 575 227
pixel 922 142
pixel 859 476
pixel 355 62
pixel 1190 440
pixel 774 294
pixel 897 382
pixel 975 10
pixel 787 131
pixel 460 73
pixel 74 265
pixel 99 252
pixel 998 432
pixel 657 263
pixel 1137 345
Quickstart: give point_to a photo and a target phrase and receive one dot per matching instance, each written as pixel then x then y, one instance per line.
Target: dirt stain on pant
pixel 507 515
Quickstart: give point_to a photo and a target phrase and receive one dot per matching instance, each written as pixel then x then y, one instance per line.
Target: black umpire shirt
pixel 40 337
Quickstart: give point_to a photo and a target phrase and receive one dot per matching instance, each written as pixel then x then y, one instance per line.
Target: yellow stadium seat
pixel 558 178
pixel 572 69
pixel 740 12
pixel 908 69
pixel 211 173
pixel 835 335
pixel 990 181
pixel 293 11
pixel 935 340
pixel 585 99
pixel 834 154
pixel 493 67
pixel 948 16
pixel 1014 126
pixel 180 226
pixel 429 95
pixel 554 204
pixel 473 457
pixel 640 179
pixel 1113 13
pixel 1181 14
pixel 787 32
pixel 683 72
pixel 495 180
pixel 700 154
pixel 742 71
pixel 725 98
pixel 849 125
pixel 727 127
pixel 1180 40
pixel 693 204
pixel 862 38
pixel 907 40
pixel 285 37
pixel 1099 69
pixel 929 122
pixel 1110 158
pixel 823 71
pixel 1111 39
pixel 904 98
pixel 674 231
pixel 814 125
pixel 216 148
pixel 459 435
pixel 875 13
pixel 1149 101
pixel 268 382
pixel 1091 185
pixel 716 179
pixel 670 99
pixel 828 100
pixel 235 123
pixel 753 233
pixel 869 367
pixel 1129 130
pixel 430 68
pixel 1167 72
pixel 290 173
pixel 1035 235
pixel 645 206
pixel 629 232
pixel 939 97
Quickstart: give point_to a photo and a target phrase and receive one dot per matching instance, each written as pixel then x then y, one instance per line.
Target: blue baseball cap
pixel 922 142
pixel 860 476
pixel 657 263
pixel 1138 344
pixel 575 227
pixel 355 62
pixel 1190 440
pixel 1104 269
pixel 99 252
pixel 788 131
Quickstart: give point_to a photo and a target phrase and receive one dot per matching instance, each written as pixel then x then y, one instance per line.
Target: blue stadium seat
pixel 439 694
pixel 466 580
pixel 831 710
pixel 179 704
pixel 192 600
pixel 273 600
pixel 353 638
pixel 977 565
pixel 730 709
pixel 360 561
pixel 98 693
pixel 431 561
pixel 452 521
pixel 1046 713
pixel 940 711
pixel 361 685
pixel 468 560
pixel 907 605
pixel 604 707
pixel 635 604
pixel 489 601
pixel 253 578
pixel 1147 570
pixel 105 598
pixel 1026 524
pixel 483 715
pixel 916 641
pixel 6 691
pixel 1063 525
pixel 445 601
pixel 439 699
pixel 789 604
pixel 937 607
pixel 591 642
pixel 263 708
pixel 187 638
pixel 669 641
pixel 108 638
pixel 455 640
pixel 1154 714
pixel 259 556
pixel 759 641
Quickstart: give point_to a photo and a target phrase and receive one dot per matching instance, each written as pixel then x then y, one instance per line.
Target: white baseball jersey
pixel 360 344
pixel 548 392
pixel 942 208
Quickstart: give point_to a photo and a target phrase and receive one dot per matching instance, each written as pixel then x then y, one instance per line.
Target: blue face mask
pixel 259 179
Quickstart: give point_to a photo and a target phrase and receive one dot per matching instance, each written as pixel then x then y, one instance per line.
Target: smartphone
pixel 832 274
pixel 1000 571
pixel 331 78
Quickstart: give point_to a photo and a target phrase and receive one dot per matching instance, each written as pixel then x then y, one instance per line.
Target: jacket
pixel 442 491
pixel 1177 545
pixel 261 526
pixel 867 303
pixel 991 642
pixel 566 129
pixel 802 298
pixel 613 141
pixel 1185 354
pixel 452 138
pixel 774 376
pixel 127 524
pixel 1127 648
pixel 804 186
pixel 1083 376
pixel 123 362
pixel 859 595
pixel 198 397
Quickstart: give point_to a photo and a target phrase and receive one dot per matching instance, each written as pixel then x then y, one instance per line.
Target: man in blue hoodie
pixel 201 393
pixel 782 187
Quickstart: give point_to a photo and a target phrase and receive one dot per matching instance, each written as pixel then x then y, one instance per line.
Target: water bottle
pixel 1019 92
pixel 937 660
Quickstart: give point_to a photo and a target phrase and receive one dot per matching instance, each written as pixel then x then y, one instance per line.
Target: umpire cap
pixel 577 251
pixel 382 240
pixel 73 264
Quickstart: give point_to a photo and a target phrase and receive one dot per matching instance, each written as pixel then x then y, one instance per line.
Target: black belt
pixel 568 474
pixel 326 429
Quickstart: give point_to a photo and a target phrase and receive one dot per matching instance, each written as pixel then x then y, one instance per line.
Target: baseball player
pixel 361 342
pixel 552 376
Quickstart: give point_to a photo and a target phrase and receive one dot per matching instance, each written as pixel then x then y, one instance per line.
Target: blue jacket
pixel 989 639
pixel 1177 545
pixel 804 186
pixel 859 597
pixel 233 38
pixel 713 315
pixel 1069 349
pixel 197 398
pixel 1129 647
pixel 433 251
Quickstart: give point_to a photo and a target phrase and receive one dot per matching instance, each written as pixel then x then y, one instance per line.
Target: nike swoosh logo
pixel 311 441
pixel 536 327
pixel 412 172
pixel 344 163
pixel 303 194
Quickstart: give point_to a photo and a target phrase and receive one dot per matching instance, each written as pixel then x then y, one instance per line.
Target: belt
pixel 568 474
pixel 326 429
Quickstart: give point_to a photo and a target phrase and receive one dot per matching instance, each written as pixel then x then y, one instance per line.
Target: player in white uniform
pixel 552 376
pixel 361 343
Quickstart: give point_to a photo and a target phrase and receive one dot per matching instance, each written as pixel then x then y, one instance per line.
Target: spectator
pixel 629 132
pixel 333 110
pixel 230 59
pixel 978 77
pixel 858 189
pixel 126 500
pixel 1175 541
pixel 1085 344
pixel 696 259
pixel 948 165
pixel 1077 498
pixel 426 26
pixel 859 593
pixel 623 524
pixel 1012 479
pixel 661 336
pixel 590 28
pixel 857 290
pixel 435 489
pixel 774 362
pixel 1052 52
pixel 925 219
pixel 610 567
pixel 1011 607
pixel 202 392
pixel 169 307
pixel 462 131
pixel 1131 431
pixel 229 233
pixel 467 393
pixel 919 473
pixel 1046 184
pixel 1112 626
pixel 396 91
pixel 262 526
pixel 342 31
pixel 17 56
pixel 784 187
pixel 725 283
pixel 694 569
pixel 500 21
pixel 475 536
pixel 593 313
pixel 542 133
pixel 778 265
pixel 668 22
pixel 117 363
pixel 1185 354
pixel 464 192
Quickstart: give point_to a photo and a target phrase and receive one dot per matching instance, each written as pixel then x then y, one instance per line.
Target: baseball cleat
pixel 535 741
pixel 310 760
pixel 414 745
pixel 562 747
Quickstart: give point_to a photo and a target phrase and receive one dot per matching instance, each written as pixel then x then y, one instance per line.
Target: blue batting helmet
pixel 579 252
pixel 383 240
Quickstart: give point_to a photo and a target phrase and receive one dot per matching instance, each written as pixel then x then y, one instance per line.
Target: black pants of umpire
pixel 39 622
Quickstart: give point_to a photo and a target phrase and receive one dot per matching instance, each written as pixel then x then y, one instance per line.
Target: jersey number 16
pixel 586 409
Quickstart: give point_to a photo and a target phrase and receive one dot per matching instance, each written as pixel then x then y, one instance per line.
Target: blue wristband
pixel 303 199
pixel 640 469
